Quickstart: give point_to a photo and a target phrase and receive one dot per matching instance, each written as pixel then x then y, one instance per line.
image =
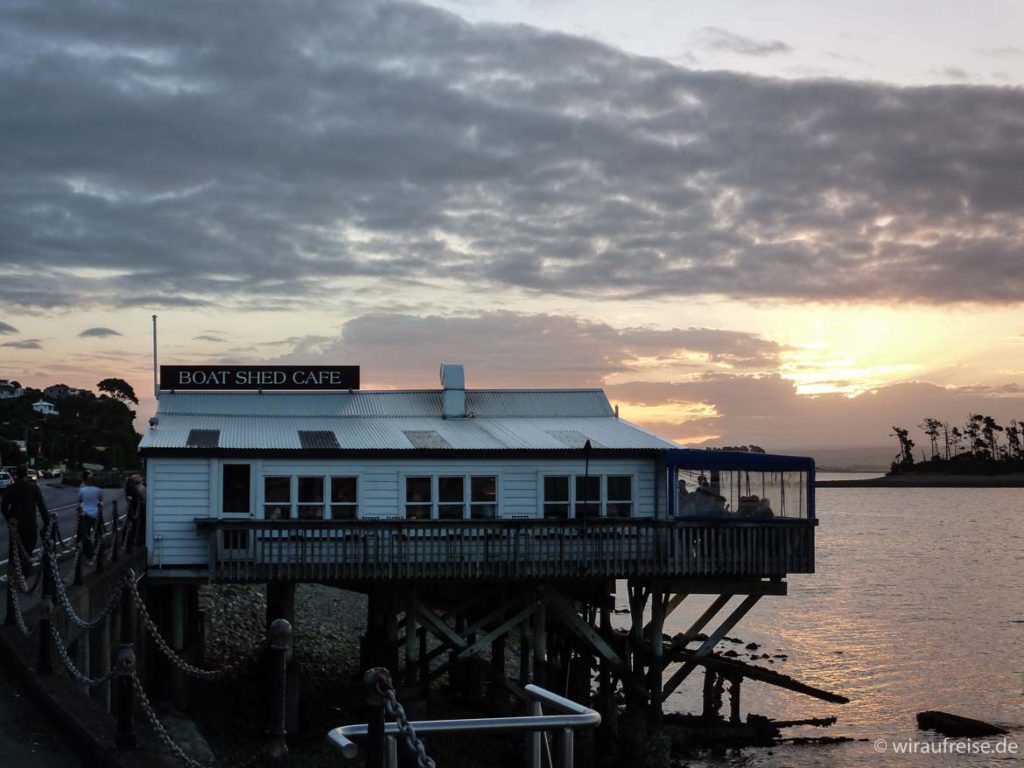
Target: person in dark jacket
pixel 20 503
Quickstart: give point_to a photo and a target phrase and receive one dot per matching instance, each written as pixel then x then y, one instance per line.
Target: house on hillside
pixel 45 408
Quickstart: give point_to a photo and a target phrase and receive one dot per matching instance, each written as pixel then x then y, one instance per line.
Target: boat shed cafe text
pixel 236 377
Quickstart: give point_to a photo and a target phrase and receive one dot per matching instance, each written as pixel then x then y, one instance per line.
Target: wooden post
pixel 540 647
pixel 524 654
pixel 78 543
pixel 275 750
pixel 98 539
pixel 99 661
pixel 734 699
pixel 376 747
pixel 424 660
pixel 12 552
pixel 657 660
pixel 126 738
pixel 113 533
pixel 410 636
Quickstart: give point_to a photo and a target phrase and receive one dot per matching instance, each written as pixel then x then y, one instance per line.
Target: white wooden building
pixel 447 454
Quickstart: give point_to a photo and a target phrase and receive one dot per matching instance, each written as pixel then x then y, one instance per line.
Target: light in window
pixel 311 498
pixel 450 498
pixel 483 503
pixel 344 501
pixel 588 496
pixel 556 498
pixel 277 498
pixel 620 496
pixel 417 498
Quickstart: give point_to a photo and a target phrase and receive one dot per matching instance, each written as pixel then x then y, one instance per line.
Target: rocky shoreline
pixel 928 481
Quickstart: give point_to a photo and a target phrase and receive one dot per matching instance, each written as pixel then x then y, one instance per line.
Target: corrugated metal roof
pixel 520 403
pixel 396 420
pixel 202 438
pixel 282 433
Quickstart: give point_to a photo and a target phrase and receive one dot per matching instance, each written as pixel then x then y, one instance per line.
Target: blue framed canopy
pixel 738 461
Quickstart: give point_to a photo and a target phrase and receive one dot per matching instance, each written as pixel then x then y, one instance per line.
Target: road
pixel 62 500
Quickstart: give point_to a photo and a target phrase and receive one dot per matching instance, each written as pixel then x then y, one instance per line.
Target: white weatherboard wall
pixel 181 490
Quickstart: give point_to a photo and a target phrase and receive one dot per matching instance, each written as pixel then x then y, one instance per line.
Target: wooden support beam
pixel 498 631
pixel 706 647
pixel 712 610
pixel 670 604
pixel 439 626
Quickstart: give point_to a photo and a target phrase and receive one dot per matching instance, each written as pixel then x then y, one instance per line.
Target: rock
pixel 734 640
pixel 780 656
pixel 752 646
pixel 956 726
pixel 730 654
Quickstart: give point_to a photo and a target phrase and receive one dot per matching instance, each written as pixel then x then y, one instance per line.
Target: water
pixel 913 607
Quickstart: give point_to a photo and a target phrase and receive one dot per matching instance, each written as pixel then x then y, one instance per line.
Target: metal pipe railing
pixel 571 717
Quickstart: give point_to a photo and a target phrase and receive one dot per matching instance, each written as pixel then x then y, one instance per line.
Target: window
pixel 311 498
pixel 483 502
pixel 418 501
pixel 585 496
pixel 277 498
pixel 556 498
pixel 451 498
pixel 235 493
pixel 620 496
pixel 344 498
pixel 588 496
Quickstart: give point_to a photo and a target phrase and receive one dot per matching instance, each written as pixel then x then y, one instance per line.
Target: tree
pixel 931 428
pixel 119 389
pixel 906 454
pixel 988 432
pixel 956 437
pixel 1013 444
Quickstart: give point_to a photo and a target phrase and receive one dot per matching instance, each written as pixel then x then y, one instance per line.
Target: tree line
pixel 87 428
pixel 979 444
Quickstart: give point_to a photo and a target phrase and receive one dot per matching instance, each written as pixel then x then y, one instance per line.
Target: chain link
pixel 65 601
pixel 165 737
pixel 77 674
pixel 13 588
pixel 174 658
pixel 394 709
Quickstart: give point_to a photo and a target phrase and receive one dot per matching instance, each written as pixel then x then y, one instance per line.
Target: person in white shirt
pixel 90 501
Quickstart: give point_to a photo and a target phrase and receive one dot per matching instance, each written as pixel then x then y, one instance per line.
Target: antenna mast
pixel 156 383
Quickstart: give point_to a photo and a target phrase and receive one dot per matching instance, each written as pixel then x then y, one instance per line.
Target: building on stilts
pixel 482 524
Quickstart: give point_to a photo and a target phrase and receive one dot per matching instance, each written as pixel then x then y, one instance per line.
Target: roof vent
pixel 203 438
pixel 453 391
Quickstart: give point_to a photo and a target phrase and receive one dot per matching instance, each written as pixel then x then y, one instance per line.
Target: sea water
pixel 917 603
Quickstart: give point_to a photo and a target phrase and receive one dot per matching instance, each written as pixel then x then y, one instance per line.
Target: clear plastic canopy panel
pixel 754 494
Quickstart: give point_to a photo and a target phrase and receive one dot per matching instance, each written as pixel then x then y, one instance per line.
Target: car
pixel 6 481
pixel 33 475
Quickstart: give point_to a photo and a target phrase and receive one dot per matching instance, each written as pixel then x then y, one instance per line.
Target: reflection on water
pixel 913 607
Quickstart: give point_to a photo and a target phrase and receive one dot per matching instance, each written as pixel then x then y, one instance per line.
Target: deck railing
pixel 359 550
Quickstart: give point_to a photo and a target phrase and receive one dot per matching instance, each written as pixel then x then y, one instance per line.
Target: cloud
pixel 23 344
pixel 766 410
pixel 511 349
pixel 98 333
pixel 719 39
pixel 243 155
pixel 5 329
pixel 208 337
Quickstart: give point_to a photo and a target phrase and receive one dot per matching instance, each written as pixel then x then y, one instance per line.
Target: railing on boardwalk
pixel 354 550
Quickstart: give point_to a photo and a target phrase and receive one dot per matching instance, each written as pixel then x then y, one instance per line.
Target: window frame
pixel 603 492
pixel 435 495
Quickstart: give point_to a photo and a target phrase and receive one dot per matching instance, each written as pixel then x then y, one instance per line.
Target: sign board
pixel 252 377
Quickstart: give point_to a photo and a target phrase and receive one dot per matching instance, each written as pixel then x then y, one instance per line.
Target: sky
pixel 781 223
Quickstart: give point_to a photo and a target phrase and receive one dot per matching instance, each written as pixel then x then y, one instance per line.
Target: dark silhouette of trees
pixel 119 389
pixel 976 448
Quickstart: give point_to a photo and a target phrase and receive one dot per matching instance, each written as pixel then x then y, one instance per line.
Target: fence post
pixel 78 543
pixel 12 552
pixel 113 533
pixel 376 747
pixel 126 738
pixel 44 662
pixel 275 750
pixel 98 539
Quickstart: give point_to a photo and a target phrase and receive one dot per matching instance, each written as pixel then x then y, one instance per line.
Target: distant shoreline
pixel 1015 480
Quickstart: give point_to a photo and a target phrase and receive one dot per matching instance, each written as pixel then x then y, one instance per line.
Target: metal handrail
pixel 572 716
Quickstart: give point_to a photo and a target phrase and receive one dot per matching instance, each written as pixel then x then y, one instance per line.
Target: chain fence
pixel 394 709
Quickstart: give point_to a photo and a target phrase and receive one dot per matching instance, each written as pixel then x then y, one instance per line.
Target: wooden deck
pixel 368 550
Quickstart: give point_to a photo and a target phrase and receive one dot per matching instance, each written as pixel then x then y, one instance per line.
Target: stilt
pixel 540 647
pixel 657 660
pixel 411 643
pixel 734 699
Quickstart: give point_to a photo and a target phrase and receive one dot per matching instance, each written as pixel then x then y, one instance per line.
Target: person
pixel 20 503
pixel 90 501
